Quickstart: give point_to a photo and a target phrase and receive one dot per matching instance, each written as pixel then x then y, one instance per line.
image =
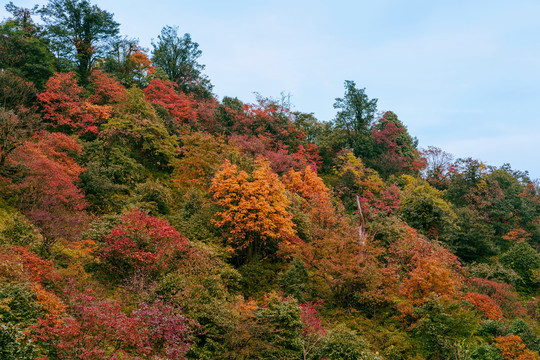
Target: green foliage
pixel 194 218
pixel 344 343
pixel 137 127
pixel 440 327
pixel 203 286
pixel 258 277
pixel 525 260
pixel 18 304
pixel 79 32
pixel 492 328
pixel 294 280
pixel 152 196
pixel 111 174
pixel 23 49
pixel 423 207
pixel 15 229
pixel 178 56
pixel 284 326
pixel 496 272
pixel 521 328
pixel 472 239
pixel 485 352
pixel 15 344
pixel 354 119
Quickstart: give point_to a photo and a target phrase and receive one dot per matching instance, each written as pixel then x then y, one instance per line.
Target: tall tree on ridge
pixel 355 118
pixel 177 56
pixel 78 32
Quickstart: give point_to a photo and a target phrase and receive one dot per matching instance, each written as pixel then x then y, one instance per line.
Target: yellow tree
pixel 253 208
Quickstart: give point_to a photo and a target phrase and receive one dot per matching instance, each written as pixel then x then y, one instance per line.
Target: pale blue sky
pixel 461 75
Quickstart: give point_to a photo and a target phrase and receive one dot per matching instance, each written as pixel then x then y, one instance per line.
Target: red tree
pixel 63 107
pixel 141 243
pixel 47 191
pixel 178 105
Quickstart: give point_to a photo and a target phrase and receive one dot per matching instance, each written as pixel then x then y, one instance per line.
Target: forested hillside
pixel 141 217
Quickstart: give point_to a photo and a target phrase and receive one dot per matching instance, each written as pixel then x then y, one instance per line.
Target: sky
pixel 462 75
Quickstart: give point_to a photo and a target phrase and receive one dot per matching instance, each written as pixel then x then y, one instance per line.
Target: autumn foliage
pixel 254 209
pixel 141 243
pixel 143 217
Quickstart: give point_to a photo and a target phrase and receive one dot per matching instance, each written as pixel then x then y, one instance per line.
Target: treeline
pixel 143 218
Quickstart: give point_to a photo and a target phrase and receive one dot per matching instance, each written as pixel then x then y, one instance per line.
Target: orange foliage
pixel 309 186
pixel 430 276
pixel 200 157
pixel 517 234
pixel 254 211
pixel 39 269
pixel 512 348
pixel 485 305
pixel 425 269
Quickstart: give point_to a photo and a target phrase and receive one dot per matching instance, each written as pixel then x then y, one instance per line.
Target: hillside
pixel 141 217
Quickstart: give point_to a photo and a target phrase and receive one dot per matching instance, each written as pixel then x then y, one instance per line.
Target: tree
pixel 23 50
pixel 525 260
pixel 254 211
pixel 512 348
pixel 395 149
pixel 46 185
pixel 140 243
pixel 18 118
pixel 137 127
pixel 178 56
pixel 424 208
pixel 439 167
pixel 355 118
pixel 166 100
pixel 129 63
pixel 63 108
pixel 79 32
pixel 97 329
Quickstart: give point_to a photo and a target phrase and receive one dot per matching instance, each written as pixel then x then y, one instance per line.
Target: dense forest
pixel 141 217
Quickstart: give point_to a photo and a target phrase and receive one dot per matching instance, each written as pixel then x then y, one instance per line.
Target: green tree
pixel 423 207
pixel 178 56
pixel 23 50
pixel 78 32
pixel 354 119
pixel 525 260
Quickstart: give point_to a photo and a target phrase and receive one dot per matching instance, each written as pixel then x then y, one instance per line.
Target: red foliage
pixel 99 329
pixel 312 330
pixel 485 305
pixel 311 319
pixel 141 243
pixel 47 192
pixel 398 154
pixel 501 293
pixel 167 331
pixel 386 201
pixel 63 108
pixel 106 90
pixel 39 269
pixel 178 105
pixel 439 166
pixel 267 129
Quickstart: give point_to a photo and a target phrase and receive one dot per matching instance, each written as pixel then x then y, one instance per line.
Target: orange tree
pixel 253 208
